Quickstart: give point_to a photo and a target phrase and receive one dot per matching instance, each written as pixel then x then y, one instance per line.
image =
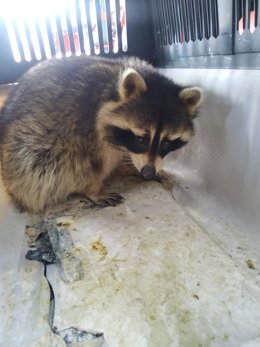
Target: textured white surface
pixel 152 277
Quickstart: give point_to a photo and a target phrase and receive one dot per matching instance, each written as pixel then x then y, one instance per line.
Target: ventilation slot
pixel 185 20
pixel 42 30
pixel 246 13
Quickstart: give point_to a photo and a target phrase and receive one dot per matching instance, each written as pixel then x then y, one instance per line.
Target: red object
pixel 252 21
pixel 240 26
pixel 123 20
pixel 66 43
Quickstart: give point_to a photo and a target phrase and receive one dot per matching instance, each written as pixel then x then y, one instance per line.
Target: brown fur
pixel 54 137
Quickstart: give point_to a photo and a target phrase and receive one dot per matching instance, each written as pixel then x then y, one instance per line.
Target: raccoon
pixel 71 122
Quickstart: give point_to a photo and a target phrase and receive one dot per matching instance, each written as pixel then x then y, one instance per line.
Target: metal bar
pixel 118 23
pixel 90 32
pixel 80 30
pixel 70 31
pixel 99 26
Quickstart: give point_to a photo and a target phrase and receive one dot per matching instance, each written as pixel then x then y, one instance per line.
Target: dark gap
pixel 193 11
pixel 162 27
pixel 182 17
pixel 60 35
pixel 50 36
pixel 70 32
pixel 167 18
pixel 199 19
pixel 204 18
pixel 157 22
pixel 40 40
pixel 244 10
pixel 217 17
pixel 164 33
pixel 29 41
pixel 177 18
pixel 99 27
pixel 173 21
pixel 234 24
pixel 170 26
pixel 186 37
pixel 90 33
pixel 118 23
pixel 238 5
pixel 252 7
pixel 256 13
pixel 80 30
pixel 163 23
pixel 180 20
pixel 189 19
pixel 18 40
pixel 214 9
pixel 209 15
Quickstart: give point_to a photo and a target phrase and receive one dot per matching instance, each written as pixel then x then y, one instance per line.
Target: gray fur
pixel 51 137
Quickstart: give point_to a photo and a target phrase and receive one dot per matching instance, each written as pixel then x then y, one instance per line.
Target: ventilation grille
pixel 246 13
pixel 40 30
pixel 179 21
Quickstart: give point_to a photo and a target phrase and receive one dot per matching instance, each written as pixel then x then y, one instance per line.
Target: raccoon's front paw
pixel 111 199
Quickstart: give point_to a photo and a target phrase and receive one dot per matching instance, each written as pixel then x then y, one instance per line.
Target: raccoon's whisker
pixel 127 160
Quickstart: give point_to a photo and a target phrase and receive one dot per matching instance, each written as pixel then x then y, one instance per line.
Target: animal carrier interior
pixel 178 263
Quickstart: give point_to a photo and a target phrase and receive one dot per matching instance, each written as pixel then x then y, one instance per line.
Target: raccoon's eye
pixel 140 140
pixel 166 144
pixel 169 146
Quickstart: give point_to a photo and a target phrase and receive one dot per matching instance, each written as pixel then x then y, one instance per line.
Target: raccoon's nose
pixel 148 172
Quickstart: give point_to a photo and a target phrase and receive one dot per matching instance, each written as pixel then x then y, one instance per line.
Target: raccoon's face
pixel 153 118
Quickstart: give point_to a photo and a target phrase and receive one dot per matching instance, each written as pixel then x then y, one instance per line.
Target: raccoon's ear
pixel 131 84
pixel 192 98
